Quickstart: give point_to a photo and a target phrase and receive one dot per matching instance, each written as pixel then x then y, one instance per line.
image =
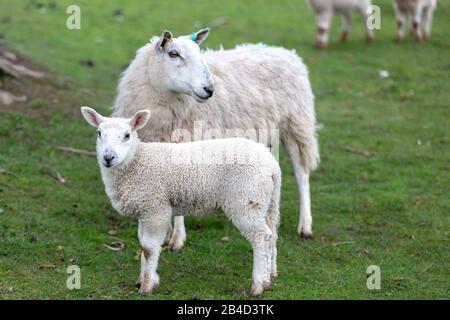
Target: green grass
pixel 390 209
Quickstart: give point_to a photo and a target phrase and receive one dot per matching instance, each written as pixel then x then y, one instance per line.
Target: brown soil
pixel 38 96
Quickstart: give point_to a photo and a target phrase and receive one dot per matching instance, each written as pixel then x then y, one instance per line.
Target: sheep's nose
pixel 209 90
pixel 108 159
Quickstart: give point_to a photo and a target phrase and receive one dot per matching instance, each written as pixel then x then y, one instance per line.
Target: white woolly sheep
pixel 325 9
pixel 153 181
pixel 249 87
pixel 418 11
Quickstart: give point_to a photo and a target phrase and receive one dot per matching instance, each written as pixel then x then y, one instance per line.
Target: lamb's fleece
pixel 164 174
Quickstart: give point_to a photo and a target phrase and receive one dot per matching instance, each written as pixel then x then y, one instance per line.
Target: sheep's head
pixel 116 137
pixel 181 65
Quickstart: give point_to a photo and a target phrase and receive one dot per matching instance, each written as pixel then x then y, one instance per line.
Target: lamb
pixel 418 11
pixel 153 181
pixel 325 9
pixel 251 87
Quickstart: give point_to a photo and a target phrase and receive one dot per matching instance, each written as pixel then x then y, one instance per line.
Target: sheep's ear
pixel 200 36
pixel 140 119
pixel 166 37
pixel 91 116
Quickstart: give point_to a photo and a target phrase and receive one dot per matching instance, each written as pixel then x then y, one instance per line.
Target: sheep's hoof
pixel 321 45
pixel 344 37
pixel 138 284
pixel 398 39
pixel 267 285
pixel 306 235
pixel 176 247
pixel 369 39
pixel 273 275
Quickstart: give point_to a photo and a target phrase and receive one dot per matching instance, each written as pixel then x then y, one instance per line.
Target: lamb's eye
pixel 173 54
pixel 99 134
pixel 126 137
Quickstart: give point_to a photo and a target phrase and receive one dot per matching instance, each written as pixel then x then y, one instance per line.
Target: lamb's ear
pixel 140 119
pixel 166 37
pixel 92 116
pixel 200 36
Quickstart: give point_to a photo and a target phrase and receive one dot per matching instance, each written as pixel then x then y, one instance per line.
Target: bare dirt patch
pixel 31 89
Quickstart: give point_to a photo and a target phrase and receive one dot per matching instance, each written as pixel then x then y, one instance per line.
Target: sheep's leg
pixel 401 19
pixel 176 243
pixel 304 228
pixel 346 23
pixel 416 24
pixel 365 16
pixel 427 20
pixel 323 26
pixel 151 237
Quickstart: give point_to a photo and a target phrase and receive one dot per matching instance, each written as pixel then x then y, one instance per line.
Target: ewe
pixel 153 181
pixel 418 11
pixel 250 87
pixel 325 9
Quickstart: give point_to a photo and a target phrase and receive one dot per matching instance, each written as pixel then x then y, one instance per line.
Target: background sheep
pixel 417 11
pixel 325 9
pixel 152 181
pixel 254 86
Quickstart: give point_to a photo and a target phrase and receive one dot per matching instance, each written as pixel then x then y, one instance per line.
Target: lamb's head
pixel 116 137
pixel 181 67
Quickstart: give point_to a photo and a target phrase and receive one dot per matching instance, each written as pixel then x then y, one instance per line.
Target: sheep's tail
pixel 304 133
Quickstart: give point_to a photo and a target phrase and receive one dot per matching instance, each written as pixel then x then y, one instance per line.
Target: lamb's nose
pixel 209 90
pixel 108 159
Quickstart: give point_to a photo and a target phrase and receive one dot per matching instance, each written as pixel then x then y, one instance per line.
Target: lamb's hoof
pixel 137 284
pixel 344 37
pixel 147 289
pixel 257 290
pixel 273 275
pixel 267 285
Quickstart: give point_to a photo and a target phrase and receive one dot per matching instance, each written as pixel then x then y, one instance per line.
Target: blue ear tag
pixel 194 36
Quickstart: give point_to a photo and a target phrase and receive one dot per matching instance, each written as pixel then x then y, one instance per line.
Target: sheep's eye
pixel 99 134
pixel 173 54
pixel 127 137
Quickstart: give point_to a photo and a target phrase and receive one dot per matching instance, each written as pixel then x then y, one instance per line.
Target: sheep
pixel 256 87
pixel 325 9
pixel 418 11
pixel 153 181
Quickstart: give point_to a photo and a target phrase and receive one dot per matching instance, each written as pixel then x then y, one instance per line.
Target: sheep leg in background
pixel 427 20
pixel 151 237
pixel 178 238
pixel 401 19
pixel 416 17
pixel 323 26
pixel 365 16
pixel 346 23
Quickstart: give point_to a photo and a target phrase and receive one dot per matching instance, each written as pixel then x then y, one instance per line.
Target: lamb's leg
pixel 304 228
pixel 151 238
pixel 176 243
pixel 253 226
pixel 323 26
pixel 346 23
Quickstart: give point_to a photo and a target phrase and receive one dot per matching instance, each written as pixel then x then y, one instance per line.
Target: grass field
pixel 388 207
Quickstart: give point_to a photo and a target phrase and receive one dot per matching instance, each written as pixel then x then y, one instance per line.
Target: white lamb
pixel 325 9
pixel 153 181
pixel 249 87
pixel 418 11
